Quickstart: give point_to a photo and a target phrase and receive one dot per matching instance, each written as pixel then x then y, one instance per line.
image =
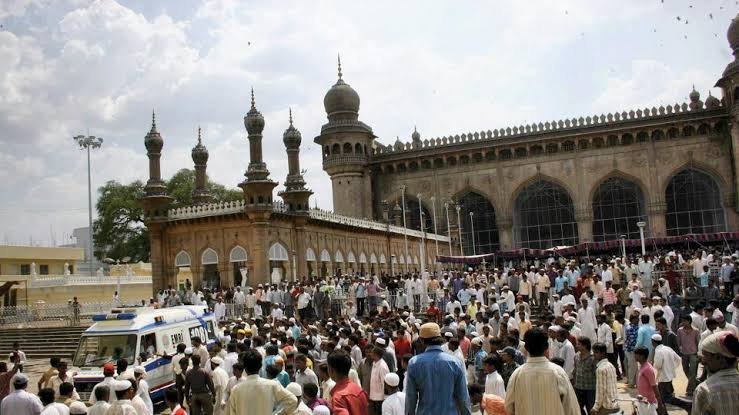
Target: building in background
pixel 81 238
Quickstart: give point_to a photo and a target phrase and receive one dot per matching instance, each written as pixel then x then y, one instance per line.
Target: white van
pixel 144 337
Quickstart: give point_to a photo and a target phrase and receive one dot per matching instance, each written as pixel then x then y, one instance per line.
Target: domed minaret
pixel 295 194
pixel 200 195
pixel 155 200
pixel 347 145
pixel 257 187
pixel 729 84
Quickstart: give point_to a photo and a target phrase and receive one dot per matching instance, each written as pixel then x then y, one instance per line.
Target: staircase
pixel 42 343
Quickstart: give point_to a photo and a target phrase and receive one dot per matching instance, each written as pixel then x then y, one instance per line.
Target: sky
pixel 71 67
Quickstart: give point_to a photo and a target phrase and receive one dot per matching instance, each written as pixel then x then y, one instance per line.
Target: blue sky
pixel 69 66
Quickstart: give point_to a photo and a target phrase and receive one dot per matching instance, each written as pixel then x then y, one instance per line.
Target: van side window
pixel 148 346
pixel 211 330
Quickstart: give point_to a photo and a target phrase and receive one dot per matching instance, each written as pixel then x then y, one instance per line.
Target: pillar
pixel 656 212
pixel 584 218
pixel 505 232
pixel 159 280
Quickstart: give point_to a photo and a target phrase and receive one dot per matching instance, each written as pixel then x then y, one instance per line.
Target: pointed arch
pixel 482 221
pixel 350 258
pixel 538 177
pixel 277 252
pixel 362 258
pixel 339 257
pixel 618 204
pixel 325 256
pixel 237 254
pixel 401 259
pixel 310 255
pixel 373 258
pixel 617 174
pixel 544 215
pixel 182 259
pixel 694 204
pixel 382 258
pixel 209 257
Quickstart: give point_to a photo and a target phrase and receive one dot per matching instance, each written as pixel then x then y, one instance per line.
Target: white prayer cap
pixel 77 408
pixel 474 334
pixel 217 360
pixel 380 341
pixel 572 319
pixel 321 410
pixel 295 389
pixel 449 334
pixel 139 369
pixel 292 320
pixel 121 385
pixel 188 350
pixel 554 328
pixel 657 337
pixel 506 315
pixel 392 379
pixel 20 379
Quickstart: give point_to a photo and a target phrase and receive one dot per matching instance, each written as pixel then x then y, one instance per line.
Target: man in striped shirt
pixel 606 392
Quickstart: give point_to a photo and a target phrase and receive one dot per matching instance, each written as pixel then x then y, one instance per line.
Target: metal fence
pixel 65 314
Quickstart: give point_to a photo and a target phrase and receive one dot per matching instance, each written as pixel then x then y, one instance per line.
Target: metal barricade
pixel 62 313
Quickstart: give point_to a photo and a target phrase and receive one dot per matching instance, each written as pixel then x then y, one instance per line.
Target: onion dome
pixel 712 102
pixel 291 137
pixel 153 141
pixel 733 35
pixel 254 121
pixel 415 136
pixel 398 144
pixel 341 101
pixel 695 102
pixel 199 152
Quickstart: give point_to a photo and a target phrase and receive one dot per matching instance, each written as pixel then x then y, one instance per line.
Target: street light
pixel 641 225
pixel 405 228
pixel 448 228
pixel 459 228
pixel 436 233
pixel 623 245
pixel 87 143
pixel 472 227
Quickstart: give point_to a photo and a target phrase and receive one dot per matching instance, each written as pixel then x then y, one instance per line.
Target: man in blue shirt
pixel 436 380
pixel 644 334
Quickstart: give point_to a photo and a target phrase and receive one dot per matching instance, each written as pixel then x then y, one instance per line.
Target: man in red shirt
pixel 433 312
pixel 347 398
pixel 402 346
pixel 646 380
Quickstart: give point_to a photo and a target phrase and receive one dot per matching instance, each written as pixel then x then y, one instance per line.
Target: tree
pixel 181 185
pixel 119 230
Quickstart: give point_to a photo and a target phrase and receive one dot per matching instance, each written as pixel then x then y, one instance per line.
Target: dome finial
pixel 291 116
pixel 199 140
pixel 339 59
pixel 153 121
pixel 253 104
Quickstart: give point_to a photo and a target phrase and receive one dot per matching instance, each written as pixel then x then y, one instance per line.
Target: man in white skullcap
pixel 394 403
pixel 77 408
pixel 666 362
pixel 220 382
pixel 19 401
pixel 321 410
pixel 297 391
pixel 124 392
pixel 142 387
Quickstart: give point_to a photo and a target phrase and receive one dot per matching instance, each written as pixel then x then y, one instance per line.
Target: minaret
pixel 257 187
pixel 155 190
pixel 729 84
pixel 346 146
pixel 295 194
pixel 200 195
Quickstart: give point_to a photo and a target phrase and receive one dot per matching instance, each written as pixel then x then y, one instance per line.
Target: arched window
pixel 347 148
pixel 618 205
pixel 693 204
pixel 277 252
pixel 373 258
pixel 412 216
pixel 339 257
pixel 325 257
pixel 483 222
pixel 182 259
pixel 544 216
pixel 336 149
pixel 209 257
pixel 238 254
pixel 358 148
pixel 350 258
pixel 310 255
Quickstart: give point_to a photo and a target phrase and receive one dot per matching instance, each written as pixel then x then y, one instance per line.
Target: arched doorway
pixel 278 263
pixel 693 204
pixel 544 216
pixel 338 263
pixel 373 264
pixel 413 216
pixel 362 263
pixel 238 259
pixel 325 263
pixel 183 271
pixel 618 204
pixel 211 277
pixel 482 221
pixel 351 260
pixel 382 265
pixel 310 257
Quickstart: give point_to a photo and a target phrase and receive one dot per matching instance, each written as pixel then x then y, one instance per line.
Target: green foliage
pixel 119 229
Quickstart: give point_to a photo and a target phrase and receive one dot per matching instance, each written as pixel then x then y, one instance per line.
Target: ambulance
pixel 143 336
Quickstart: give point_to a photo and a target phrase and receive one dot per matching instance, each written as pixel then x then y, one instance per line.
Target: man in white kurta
pixel 394 403
pixel 586 318
pixel 220 383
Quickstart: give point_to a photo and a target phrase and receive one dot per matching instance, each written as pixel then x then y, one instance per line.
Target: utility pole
pixel 87 143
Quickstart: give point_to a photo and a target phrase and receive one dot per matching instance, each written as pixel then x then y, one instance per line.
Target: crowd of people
pixel 538 337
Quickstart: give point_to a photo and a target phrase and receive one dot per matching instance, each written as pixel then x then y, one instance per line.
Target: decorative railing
pixel 41 281
pixel 216 209
pixel 546 127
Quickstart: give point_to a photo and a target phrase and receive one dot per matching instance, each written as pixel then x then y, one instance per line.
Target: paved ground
pixel 34 368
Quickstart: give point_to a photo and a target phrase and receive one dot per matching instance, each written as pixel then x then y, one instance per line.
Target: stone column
pixel 505 231
pixel 584 218
pixel 656 210
pixel 300 248
pixel 159 279
pixel 260 254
